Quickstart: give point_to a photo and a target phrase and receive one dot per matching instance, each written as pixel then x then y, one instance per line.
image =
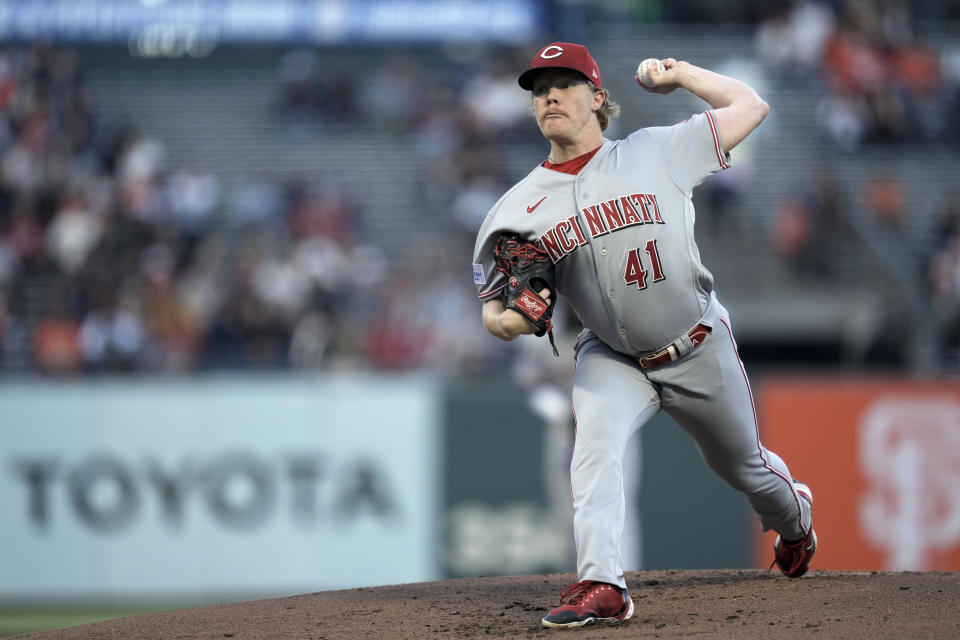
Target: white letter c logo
pixel 547 54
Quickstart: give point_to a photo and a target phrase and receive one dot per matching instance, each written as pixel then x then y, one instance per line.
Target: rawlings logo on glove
pixel 533 304
pixel 529 270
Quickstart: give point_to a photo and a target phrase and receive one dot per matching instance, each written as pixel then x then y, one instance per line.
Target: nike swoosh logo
pixel 530 209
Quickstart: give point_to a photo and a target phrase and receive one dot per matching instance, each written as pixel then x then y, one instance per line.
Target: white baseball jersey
pixel 620 233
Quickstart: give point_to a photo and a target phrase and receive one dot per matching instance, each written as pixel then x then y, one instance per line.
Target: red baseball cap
pixel 564 55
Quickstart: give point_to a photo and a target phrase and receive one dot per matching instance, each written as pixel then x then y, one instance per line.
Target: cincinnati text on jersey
pixel 601 218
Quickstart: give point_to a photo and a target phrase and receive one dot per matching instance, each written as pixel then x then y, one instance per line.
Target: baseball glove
pixel 529 270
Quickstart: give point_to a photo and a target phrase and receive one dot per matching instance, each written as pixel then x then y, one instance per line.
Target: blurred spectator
pixel 247 332
pixel 8 78
pixel 280 287
pixel 310 343
pixel 843 118
pixel 810 230
pixel 494 101
pixel 945 277
pixel 56 344
pixel 413 330
pixel 403 327
pixel 138 158
pixel 199 287
pixel 25 234
pixel 885 200
pixel 174 338
pixel 192 195
pixel 791 40
pixel 137 179
pixel 793 235
pixel 112 335
pixel 324 264
pixel 855 74
pixel 948 221
pixel 916 68
pixel 327 212
pixel 943 272
pixel 73 233
pixel 854 61
pixel 454 344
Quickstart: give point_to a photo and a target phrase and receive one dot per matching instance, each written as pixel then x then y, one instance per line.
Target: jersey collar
pixel 572 166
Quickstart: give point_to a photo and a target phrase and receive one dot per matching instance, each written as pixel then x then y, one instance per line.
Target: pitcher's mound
pixel 669 604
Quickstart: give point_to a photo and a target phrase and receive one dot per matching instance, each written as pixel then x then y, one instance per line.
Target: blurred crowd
pixel 881 82
pixel 882 89
pixel 114 260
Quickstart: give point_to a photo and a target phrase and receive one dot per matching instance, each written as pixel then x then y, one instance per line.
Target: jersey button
pixel 603 252
pixel 623 331
pixel 611 294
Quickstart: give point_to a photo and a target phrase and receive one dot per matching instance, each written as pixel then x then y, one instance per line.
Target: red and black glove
pixel 529 270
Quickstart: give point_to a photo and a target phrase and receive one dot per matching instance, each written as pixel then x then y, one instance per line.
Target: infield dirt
pixel 669 604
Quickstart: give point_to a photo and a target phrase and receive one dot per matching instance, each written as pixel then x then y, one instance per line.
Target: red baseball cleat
pixel 586 601
pixel 794 558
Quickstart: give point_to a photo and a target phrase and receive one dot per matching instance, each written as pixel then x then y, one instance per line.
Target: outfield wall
pixel 882 455
pixel 201 487
pixel 225 488
pixel 215 489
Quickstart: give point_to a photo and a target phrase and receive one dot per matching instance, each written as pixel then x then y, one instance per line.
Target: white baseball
pixel 643 71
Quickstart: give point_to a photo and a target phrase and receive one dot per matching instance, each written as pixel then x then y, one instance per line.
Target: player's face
pixel 564 105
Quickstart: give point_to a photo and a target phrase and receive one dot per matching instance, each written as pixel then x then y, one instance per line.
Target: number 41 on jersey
pixel 635 273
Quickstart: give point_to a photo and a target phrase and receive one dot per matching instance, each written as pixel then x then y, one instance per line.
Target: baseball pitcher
pixel 608 225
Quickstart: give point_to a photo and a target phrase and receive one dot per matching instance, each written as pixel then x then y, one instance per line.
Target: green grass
pixel 27 620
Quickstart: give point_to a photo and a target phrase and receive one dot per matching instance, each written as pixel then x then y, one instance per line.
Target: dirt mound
pixel 669 604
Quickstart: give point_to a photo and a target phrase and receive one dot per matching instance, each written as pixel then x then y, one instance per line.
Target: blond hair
pixel 609 108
